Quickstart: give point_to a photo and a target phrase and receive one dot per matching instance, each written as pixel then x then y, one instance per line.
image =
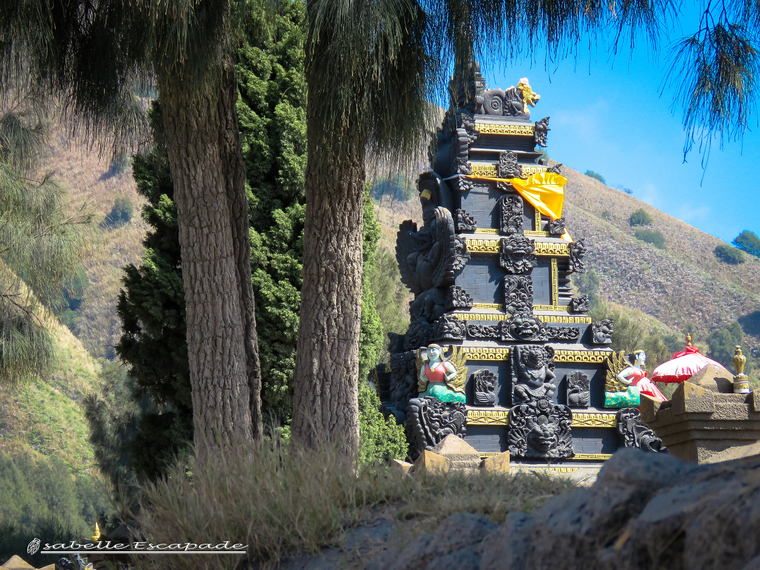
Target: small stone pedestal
pixel 700 421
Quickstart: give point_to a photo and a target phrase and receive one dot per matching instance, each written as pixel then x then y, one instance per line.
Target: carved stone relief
pixel 485 383
pixel 517 254
pixel 464 222
pixel 577 254
pixel 429 421
pixel 508 165
pixel 463 166
pixel 636 434
pixel 518 294
pixel 533 376
pixel 578 390
pixel 448 327
pixel 511 214
pixel 580 304
pixel 541 130
pixel 457 298
pixel 556 227
pixel 556 169
pixel 403 383
pixel 601 332
pixel 461 253
pixel 540 430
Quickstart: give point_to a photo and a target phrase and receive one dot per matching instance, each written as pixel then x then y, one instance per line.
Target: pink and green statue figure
pixel 441 378
pixel 627 380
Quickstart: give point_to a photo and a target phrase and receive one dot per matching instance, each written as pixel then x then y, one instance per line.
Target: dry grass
pixel 283 501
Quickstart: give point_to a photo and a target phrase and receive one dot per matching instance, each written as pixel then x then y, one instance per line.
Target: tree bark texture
pixel 325 400
pixel 203 142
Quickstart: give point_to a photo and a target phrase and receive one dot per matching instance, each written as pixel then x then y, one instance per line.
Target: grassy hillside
pixel 684 285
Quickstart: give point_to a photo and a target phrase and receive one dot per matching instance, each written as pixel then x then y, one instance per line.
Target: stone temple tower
pixel 520 366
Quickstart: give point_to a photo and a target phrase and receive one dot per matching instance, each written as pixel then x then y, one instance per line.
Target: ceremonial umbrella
pixel 683 366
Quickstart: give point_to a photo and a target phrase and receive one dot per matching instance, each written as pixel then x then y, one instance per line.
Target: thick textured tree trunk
pixel 203 141
pixel 325 401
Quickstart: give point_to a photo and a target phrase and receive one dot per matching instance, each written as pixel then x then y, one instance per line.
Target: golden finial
pixel 529 97
pixel 96 536
pixel 688 339
pixel 739 361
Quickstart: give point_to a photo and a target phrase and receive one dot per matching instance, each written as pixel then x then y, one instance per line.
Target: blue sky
pixel 609 116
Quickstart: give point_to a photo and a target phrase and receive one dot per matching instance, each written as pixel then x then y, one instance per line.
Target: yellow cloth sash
pixel 544 190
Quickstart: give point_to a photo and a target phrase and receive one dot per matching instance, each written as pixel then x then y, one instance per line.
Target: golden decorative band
pixel 552 248
pixel 503 317
pixel 487 417
pixel 482 316
pixel 490 170
pixel 541 247
pixel 478 353
pixel 487 231
pixel 592 456
pixel 544 469
pixel 590 356
pixel 484 306
pixel 555 282
pixel 500 129
pixel 594 420
pixel 482 245
pixel 528 170
pixel 531 233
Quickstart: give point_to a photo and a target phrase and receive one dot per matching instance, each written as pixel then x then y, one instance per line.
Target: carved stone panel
pixel 464 222
pixel 403 383
pixel 533 375
pixel 541 130
pixel 429 421
pixel 485 384
pixel 461 253
pixel 418 334
pixel 578 390
pixel 448 327
pixel 511 214
pixel 566 334
pixel 601 332
pixel 457 298
pixel 577 254
pixel 508 165
pixel 636 434
pixel 523 328
pixel 580 304
pixel 556 169
pixel 517 254
pixel 485 332
pixel 557 227
pixel 518 294
pixel 540 430
pixel 463 166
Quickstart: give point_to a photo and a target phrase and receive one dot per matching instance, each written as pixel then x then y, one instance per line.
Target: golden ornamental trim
pixel 564 320
pixel 487 417
pixel 531 233
pixel 588 356
pixel 481 353
pixel 552 248
pixel 592 456
pixel 501 129
pixel 482 245
pixel 555 282
pixel 486 306
pixel 537 221
pixel 492 231
pixel 482 316
pixel 531 469
pixel 558 308
pixel 528 170
pixel 594 420
pixel 485 170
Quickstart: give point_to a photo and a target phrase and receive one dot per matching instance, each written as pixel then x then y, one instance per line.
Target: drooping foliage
pixel 40 245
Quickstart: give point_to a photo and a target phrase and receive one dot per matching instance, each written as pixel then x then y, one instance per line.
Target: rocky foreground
pixel 645 511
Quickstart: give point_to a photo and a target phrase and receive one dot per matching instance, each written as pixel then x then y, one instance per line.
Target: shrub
pixel 748 242
pixel 651 236
pixel 640 218
pixel 607 215
pixel 728 254
pixel 596 176
pixel 120 214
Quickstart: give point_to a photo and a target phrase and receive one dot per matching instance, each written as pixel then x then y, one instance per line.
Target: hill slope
pixel 683 286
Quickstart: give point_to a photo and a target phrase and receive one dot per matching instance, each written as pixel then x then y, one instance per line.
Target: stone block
pixel 430 463
pixel 714 378
pixel 400 466
pixel 460 454
pixel 496 464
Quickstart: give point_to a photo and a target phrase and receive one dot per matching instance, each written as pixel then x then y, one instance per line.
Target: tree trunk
pixel 203 142
pixel 325 400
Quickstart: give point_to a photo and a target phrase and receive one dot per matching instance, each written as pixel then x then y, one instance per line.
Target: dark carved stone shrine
pixel 490 270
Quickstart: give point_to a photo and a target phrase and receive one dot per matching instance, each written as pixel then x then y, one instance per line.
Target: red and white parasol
pixel 683 366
